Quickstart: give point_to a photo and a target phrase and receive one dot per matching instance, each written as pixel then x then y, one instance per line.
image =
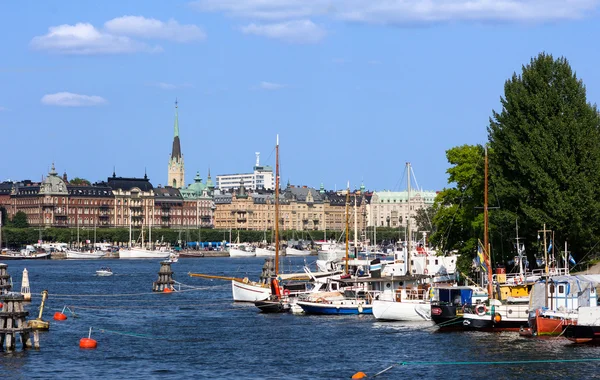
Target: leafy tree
pixel 80 182
pixel 4 216
pixel 423 219
pixel 458 210
pixel 546 154
pixel 20 220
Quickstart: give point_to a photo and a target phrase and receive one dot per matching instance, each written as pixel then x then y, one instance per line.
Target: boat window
pixel 333 286
pixel 552 289
pixel 561 289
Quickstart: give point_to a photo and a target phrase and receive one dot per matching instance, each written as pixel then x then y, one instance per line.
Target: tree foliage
pixel 545 159
pixel 80 182
pixel 20 220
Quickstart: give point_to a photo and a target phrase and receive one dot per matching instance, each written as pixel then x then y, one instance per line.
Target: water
pixel 202 333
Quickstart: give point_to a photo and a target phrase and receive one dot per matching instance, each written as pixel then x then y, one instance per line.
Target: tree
pixel 20 220
pixel 80 182
pixel 458 211
pixel 423 219
pixel 545 156
pixel 4 216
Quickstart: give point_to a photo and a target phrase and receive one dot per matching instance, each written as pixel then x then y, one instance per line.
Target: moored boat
pixel 28 253
pixel 587 329
pixel 241 250
pixel 72 254
pixel 142 253
pixel 334 307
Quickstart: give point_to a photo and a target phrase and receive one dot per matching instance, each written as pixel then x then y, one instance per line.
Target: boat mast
pixel 519 252
pixel 277 207
pixel 408 230
pixel 129 228
pixel 347 221
pixel 355 230
pixel 486 241
pixel 150 232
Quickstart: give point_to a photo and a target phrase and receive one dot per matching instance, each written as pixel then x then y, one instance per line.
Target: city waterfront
pixel 200 332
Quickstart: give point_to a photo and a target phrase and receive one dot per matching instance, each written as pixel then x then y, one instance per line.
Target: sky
pixel 354 88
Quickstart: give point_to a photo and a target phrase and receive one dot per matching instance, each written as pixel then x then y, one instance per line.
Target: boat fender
pixel 497 318
pixel 480 310
pixel 360 308
pixel 245 280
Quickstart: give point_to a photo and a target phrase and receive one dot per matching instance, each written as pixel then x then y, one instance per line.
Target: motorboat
pixel 264 252
pixel 142 253
pixel 103 272
pixel 28 253
pixel 241 250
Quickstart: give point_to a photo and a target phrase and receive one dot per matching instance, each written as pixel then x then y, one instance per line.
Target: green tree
pixel 458 210
pixel 423 219
pixel 4 216
pixel 80 182
pixel 545 155
pixel 20 220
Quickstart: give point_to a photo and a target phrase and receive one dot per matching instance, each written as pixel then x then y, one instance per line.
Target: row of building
pixel 237 201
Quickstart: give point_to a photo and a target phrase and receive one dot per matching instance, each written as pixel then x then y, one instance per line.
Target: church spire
pixel 176 120
pixel 176 151
pixel 176 168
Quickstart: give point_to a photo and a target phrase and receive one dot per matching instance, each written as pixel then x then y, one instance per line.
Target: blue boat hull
pixel 329 309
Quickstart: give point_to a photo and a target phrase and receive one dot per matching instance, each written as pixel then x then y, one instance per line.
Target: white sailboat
pixel 84 254
pixel 141 252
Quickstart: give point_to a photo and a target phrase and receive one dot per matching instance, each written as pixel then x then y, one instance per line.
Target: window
pixel 561 289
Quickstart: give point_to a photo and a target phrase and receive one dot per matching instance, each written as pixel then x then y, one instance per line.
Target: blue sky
pixel 354 88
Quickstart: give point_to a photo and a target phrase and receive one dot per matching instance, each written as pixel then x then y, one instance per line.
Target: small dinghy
pixel 104 272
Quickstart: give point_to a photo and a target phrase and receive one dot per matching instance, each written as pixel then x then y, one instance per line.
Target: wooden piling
pixel 165 278
pixel 5 285
pixel 12 322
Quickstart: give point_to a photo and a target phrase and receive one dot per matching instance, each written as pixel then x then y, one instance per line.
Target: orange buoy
pixel 58 316
pixel 167 290
pixel 359 375
pixel 87 343
pixel 1 305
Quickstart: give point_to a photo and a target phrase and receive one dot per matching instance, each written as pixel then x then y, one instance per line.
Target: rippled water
pixel 202 333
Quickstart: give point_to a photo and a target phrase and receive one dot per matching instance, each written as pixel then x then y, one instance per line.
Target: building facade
pixel 261 178
pixel 391 209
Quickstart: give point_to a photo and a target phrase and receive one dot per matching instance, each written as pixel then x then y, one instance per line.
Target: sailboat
pixel 275 303
pixel 238 249
pixel 141 252
pixel 81 254
pixel 409 301
pixel 267 251
pixel 507 309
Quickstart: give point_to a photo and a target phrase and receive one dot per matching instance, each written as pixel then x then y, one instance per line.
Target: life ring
pixel 320 300
pixel 286 292
pixel 480 310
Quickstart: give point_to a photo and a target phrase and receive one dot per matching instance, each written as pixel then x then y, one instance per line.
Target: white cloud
pixel 296 31
pixel 170 86
pixel 68 99
pixel 271 86
pixel 404 12
pixel 86 39
pixel 139 26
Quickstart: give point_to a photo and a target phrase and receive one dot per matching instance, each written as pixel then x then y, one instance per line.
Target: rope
pixel 146 336
pixel 127 294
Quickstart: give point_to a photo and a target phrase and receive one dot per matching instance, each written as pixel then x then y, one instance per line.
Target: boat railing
pixel 518 278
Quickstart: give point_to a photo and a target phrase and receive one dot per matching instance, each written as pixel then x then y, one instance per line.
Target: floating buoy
pixel 359 375
pixel 88 342
pixel 1 305
pixel 167 290
pixel 58 316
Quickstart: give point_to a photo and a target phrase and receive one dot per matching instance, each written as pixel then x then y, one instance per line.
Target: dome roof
pixel 53 184
pixel 197 187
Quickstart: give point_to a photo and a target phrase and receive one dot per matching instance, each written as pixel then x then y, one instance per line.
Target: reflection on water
pixel 202 333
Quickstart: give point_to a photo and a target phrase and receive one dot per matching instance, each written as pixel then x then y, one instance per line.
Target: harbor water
pixel 200 333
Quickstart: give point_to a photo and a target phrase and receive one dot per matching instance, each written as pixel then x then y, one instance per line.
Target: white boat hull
pixel 103 273
pixel 296 252
pixel 402 311
pixel 249 291
pixel 84 255
pixel 234 252
pixel 264 252
pixel 140 253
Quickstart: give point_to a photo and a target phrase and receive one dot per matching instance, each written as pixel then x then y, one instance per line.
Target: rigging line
pixel 147 336
pixel 122 295
pixel 504 362
pixel 584 256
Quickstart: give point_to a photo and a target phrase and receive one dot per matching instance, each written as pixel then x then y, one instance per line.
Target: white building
pixel 261 178
pixel 390 208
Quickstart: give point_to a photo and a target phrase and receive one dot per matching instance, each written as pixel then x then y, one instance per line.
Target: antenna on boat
pixel 276 207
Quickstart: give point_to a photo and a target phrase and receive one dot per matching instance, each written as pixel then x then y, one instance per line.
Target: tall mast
pixel 277 207
pixel 129 228
pixel 355 230
pixel 347 221
pixel 408 230
pixel 150 228
pixel 486 242
pixel 519 252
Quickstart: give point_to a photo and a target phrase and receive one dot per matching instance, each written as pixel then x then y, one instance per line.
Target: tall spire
pixel 176 120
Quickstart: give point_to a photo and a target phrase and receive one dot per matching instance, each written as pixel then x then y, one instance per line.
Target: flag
pixel 480 258
pixel 550 246
pixel 571 259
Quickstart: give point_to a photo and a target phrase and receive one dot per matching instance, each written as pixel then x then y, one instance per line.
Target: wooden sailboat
pixel 275 303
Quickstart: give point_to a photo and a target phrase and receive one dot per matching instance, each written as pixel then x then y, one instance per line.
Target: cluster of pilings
pixel 13 325
pixel 165 278
pixel 268 270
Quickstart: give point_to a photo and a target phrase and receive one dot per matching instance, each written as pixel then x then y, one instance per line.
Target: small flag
pixel 481 259
pixel 571 259
pixel 550 246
